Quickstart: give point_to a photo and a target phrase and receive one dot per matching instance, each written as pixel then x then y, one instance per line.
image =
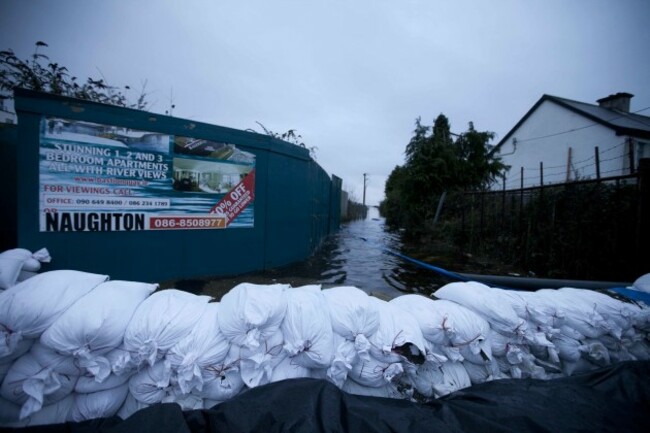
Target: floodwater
pixel 354 256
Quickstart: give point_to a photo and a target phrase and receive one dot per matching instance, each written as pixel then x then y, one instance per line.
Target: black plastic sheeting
pixel 613 399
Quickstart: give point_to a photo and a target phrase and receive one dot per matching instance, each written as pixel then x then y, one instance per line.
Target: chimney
pixel 619 101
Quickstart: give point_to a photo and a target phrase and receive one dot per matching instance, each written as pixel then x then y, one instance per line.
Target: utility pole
pixel 365 181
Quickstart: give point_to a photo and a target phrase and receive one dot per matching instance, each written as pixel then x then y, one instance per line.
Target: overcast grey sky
pixel 350 76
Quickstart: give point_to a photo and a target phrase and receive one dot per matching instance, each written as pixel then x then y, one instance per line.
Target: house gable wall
pixel 542 137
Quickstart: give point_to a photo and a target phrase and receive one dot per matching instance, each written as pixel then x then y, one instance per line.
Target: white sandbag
pixel 24 275
pixel 29 308
pixel 642 283
pixel 352 312
pixel 307 329
pixel 57 362
pixel 451 326
pixel 151 384
pixel 251 313
pixel 569 349
pixel 55 413
pixel 596 352
pixel 384 391
pixel 160 321
pixel 222 381
pixel 96 323
pixel 119 361
pixel 288 368
pixel 479 373
pixel 100 404
pixel 21 348
pixel 203 347
pixel 622 314
pixel 31 262
pixel 433 321
pixel 33 386
pixel 480 299
pixel 257 364
pixel 426 376
pixel 578 313
pixel 9 270
pixel 345 356
pixel 375 373
pixel 543 310
pixel 398 337
pixel 455 377
pixel 88 384
pixel 131 405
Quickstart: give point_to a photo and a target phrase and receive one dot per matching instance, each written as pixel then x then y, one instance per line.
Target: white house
pixel 560 140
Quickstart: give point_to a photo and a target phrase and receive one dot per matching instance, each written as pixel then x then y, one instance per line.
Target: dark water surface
pixel 354 256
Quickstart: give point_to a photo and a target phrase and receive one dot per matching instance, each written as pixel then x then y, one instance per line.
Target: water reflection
pixel 356 256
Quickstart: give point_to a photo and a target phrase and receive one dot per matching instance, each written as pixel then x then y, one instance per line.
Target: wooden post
pixel 568 165
pixel 521 197
pixel 630 146
pixel 541 173
pixel 643 228
pixel 503 201
pixel 597 155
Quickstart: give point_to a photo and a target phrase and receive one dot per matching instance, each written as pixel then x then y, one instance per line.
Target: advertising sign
pixel 106 178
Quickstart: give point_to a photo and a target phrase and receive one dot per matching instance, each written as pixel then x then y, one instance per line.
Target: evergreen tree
pixel 436 163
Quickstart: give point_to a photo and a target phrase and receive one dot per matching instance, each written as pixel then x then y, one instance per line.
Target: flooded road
pixel 354 256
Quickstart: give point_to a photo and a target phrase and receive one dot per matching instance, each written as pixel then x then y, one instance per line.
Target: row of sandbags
pixel 75 346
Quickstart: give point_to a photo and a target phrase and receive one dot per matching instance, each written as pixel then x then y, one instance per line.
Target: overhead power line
pixel 583 127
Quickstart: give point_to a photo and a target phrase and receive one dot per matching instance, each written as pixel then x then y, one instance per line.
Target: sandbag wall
pixel 77 346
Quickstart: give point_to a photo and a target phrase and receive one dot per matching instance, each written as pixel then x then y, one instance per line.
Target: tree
pixel 290 136
pixel 478 168
pixel 436 163
pixel 40 74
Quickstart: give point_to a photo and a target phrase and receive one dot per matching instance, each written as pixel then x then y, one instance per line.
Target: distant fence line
pixel 351 210
pixel 590 229
pixel 571 170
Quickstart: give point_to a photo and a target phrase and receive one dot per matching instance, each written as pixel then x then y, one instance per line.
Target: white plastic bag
pixel 17 261
pixel 481 299
pixel 151 384
pixel 33 386
pixel 251 313
pixel 385 391
pixel 257 364
pixel 96 323
pixel 352 313
pixel 29 308
pixel 88 384
pixel 455 378
pixel 55 413
pixel 307 329
pixel 100 404
pixel 201 348
pixel 160 321
pixel 398 335
pixel 223 380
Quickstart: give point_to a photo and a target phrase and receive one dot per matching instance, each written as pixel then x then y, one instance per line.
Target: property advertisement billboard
pixel 97 177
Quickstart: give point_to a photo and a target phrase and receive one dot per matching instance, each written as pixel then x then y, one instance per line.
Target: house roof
pixel 623 123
